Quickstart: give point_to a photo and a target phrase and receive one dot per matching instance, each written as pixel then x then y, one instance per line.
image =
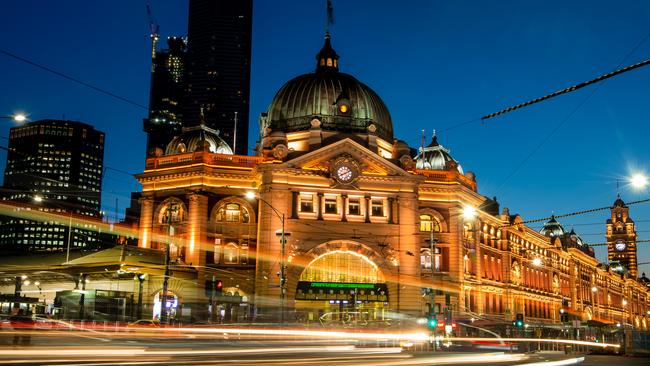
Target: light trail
pixel 570 361
pixel 545 340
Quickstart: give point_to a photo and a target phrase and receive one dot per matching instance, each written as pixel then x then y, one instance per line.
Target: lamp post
pixel 163 300
pixel 282 234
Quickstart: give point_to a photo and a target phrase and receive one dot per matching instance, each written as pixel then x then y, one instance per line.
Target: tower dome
pixel 436 157
pixel 338 100
pixel 552 228
pixel 198 138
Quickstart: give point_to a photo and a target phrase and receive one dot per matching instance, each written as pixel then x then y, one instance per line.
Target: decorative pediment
pixel 369 162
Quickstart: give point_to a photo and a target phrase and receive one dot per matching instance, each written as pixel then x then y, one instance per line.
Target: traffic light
pixel 432 321
pixel 218 287
pixel 208 288
pixel 519 321
pixel 564 316
pixel 448 317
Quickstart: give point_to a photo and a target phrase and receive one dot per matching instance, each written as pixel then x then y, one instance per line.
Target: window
pixel 425 259
pixel 428 223
pixel 330 205
pixel 377 207
pixel 306 203
pixel 172 211
pixel 354 206
pixel 232 212
pixel 230 254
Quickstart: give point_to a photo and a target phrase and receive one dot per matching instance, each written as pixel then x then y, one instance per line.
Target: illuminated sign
pixel 342 292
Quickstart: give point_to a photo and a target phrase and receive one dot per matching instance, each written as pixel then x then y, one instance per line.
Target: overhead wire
pixel 73 79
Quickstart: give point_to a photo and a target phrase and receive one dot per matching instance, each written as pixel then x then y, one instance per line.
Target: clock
pixel 345 170
pixel 344 174
pixel 620 245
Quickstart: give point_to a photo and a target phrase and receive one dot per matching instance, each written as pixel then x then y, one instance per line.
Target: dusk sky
pixel 435 63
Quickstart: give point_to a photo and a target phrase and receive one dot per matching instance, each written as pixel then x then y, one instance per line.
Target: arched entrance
pixel 342 288
pixel 171 305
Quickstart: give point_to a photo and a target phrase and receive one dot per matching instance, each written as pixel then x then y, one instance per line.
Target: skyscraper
pixel 166 95
pixel 53 166
pixel 218 78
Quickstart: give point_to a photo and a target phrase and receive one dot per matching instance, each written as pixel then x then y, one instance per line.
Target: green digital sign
pixel 342 285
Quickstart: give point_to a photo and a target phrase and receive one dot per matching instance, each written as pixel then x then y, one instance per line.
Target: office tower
pixel 166 96
pixel 218 78
pixel 53 166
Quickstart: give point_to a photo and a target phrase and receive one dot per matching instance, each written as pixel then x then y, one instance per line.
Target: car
pixel 144 323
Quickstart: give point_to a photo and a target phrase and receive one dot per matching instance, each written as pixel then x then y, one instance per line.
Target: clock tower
pixel 621 237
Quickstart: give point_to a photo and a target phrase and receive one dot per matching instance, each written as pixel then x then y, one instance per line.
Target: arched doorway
pixel 342 288
pixel 171 304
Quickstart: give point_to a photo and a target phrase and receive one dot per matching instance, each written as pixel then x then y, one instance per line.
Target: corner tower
pixel 621 237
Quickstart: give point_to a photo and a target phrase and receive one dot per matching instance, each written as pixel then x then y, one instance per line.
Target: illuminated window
pixel 306 203
pixel 377 207
pixel 342 266
pixel 231 254
pixel 354 206
pixel 330 205
pixel 428 222
pixel 425 259
pixel 172 212
pixel 232 212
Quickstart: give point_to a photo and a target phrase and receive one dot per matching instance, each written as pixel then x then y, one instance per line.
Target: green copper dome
pixel 338 100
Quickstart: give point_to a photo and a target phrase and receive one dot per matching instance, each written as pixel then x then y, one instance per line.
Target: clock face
pixel 620 245
pixel 344 174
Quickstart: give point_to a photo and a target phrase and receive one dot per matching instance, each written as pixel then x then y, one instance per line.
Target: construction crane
pixel 153 33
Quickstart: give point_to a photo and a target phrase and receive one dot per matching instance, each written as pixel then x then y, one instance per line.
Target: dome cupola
pixel 435 157
pixel 327 60
pixel 339 101
pixel 552 228
pixel 198 138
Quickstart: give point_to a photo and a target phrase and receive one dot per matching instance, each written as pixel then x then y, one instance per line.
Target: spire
pixel 619 202
pixel 327 59
pixel 434 140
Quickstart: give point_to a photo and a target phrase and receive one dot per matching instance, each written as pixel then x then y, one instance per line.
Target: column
pixel 197 235
pixel 344 209
pixel 476 226
pixel 390 213
pixel 294 204
pixel 367 199
pixel 319 205
pixel 409 265
pixel 146 220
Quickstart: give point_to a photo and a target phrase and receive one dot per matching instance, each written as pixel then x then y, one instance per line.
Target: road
pixel 163 347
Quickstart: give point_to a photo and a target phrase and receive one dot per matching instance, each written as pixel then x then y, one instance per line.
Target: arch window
pixel 342 266
pixel 232 212
pixel 428 223
pixel 172 211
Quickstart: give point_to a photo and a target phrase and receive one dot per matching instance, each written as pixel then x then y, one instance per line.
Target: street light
pixel 18 117
pixel 537 262
pixel 469 212
pixel 639 181
pixel 282 234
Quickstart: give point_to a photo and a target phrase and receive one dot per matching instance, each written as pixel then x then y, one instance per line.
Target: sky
pixel 435 63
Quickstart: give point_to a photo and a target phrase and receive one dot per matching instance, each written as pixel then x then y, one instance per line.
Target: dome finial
pixel 327 59
pixel 201 117
pixel 434 139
